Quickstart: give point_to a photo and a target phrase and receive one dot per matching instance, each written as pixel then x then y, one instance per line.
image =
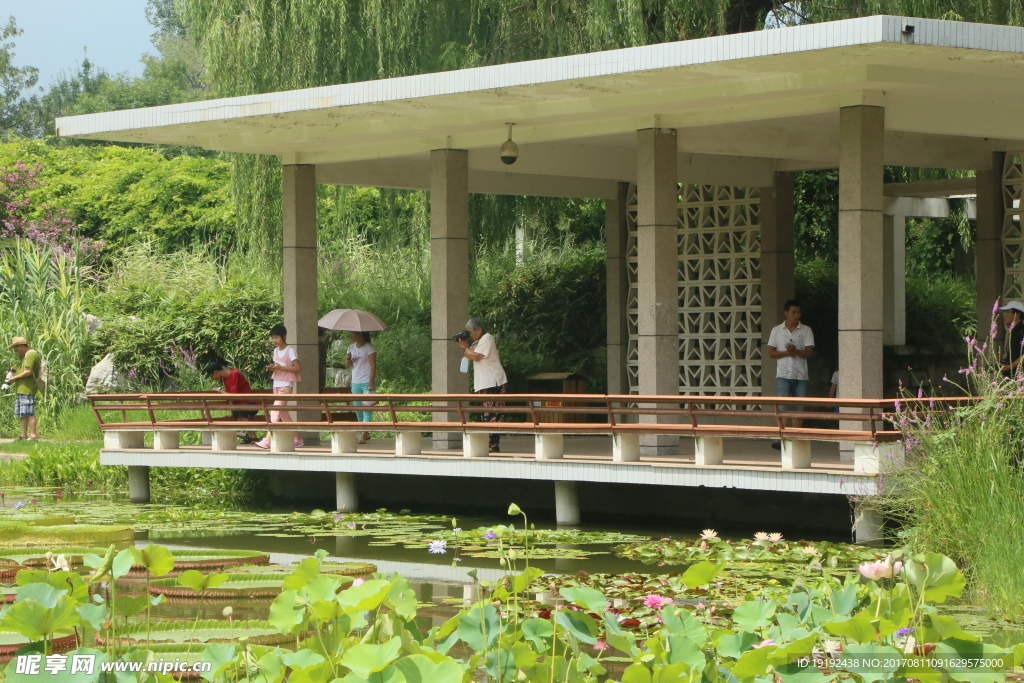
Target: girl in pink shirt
pixel 285 371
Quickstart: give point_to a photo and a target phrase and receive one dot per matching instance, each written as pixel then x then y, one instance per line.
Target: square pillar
pixel 861 132
pixel 625 448
pixel 617 289
pixel 346 494
pixel 298 202
pixel 777 266
pixel 449 278
pixel 657 276
pixel 988 244
pixel 344 442
pixel 475 444
pixel 548 446
pixel 796 454
pixel 225 440
pixel 894 273
pixel 138 483
pixel 408 443
pixel 708 450
pixel 166 441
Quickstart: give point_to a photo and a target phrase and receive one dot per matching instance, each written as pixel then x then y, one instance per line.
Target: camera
pixel 464 335
pixel 6 386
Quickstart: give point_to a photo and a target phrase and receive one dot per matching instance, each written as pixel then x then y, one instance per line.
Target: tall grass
pixel 43 296
pixel 959 490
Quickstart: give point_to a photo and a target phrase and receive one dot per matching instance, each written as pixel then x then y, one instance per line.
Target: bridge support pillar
pixel 344 442
pixel 282 441
pixel 474 444
pixel 345 492
pixel 224 441
pixel 867 521
pixel 408 443
pixel 138 483
pixel 625 448
pixel 796 454
pixel 708 450
pixel 567 503
pixel 166 441
pixel 548 446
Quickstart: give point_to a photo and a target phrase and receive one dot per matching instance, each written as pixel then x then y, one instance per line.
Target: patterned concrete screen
pixel 719 290
pixel 1013 236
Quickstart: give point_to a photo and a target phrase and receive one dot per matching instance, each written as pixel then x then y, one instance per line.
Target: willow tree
pixel 258 46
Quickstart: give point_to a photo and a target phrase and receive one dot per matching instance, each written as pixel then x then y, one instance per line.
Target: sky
pixel 115 32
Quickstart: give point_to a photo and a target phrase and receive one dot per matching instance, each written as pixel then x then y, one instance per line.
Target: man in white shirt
pixel 791 344
pixel 488 375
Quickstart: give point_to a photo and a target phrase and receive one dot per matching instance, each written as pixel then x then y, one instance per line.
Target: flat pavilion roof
pixel 745 106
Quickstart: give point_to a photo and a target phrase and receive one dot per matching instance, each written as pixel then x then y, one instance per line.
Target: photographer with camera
pixel 488 375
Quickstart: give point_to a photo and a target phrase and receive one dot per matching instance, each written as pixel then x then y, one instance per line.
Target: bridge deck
pixel 747 464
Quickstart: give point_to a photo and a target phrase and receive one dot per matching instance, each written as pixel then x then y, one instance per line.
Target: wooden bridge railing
pixel 697 416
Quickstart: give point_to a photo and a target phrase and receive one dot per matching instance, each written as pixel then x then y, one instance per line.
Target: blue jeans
pixel 361 388
pixel 790 387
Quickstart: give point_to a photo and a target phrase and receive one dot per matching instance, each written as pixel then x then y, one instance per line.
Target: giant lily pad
pixel 202 631
pixel 12 642
pixel 241 585
pixel 36 535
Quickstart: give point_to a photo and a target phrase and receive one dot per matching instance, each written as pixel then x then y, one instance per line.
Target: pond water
pixel 399 543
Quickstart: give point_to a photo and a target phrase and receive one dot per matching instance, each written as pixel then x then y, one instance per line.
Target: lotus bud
pixel 228 611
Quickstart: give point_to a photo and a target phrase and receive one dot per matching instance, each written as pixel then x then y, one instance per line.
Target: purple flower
pixel 490 534
pixel 20 504
pixel 437 547
pixel 338 518
pixel 904 632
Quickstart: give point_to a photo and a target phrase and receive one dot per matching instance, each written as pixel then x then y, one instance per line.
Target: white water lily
pixel 761 536
pixel 60 563
pixel 708 534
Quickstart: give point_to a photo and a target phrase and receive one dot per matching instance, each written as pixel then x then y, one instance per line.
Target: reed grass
pixel 958 489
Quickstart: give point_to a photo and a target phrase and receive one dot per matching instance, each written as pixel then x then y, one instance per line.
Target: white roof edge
pixel 789 40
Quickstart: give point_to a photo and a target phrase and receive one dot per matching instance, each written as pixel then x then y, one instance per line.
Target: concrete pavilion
pixel 693 145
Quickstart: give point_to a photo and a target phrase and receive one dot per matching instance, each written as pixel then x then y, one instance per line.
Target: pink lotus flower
pixel 600 645
pixel 656 601
pixel 764 643
pixel 358 582
pixel 883 569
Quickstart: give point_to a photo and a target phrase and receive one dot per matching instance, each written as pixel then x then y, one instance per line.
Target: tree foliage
pixel 126 195
pixel 14 81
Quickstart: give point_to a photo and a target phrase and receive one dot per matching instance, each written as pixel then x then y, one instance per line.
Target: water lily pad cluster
pixel 763 548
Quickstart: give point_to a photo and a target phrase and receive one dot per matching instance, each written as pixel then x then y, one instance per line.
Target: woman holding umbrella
pixel 362 358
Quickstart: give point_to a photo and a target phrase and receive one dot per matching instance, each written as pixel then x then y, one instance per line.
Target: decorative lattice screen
pixel 719 290
pixel 1013 217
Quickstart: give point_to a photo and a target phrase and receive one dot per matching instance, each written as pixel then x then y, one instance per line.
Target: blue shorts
pixel 790 387
pixel 24 405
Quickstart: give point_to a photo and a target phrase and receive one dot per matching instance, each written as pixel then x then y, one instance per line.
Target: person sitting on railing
pixel 234 383
pixel 1013 314
pixel 488 375
pixel 791 343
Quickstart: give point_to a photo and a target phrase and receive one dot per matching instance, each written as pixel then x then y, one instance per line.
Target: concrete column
pixel 344 442
pixel 408 443
pixel 867 521
pixel 166 441
pixel 657 276
pixel 894 273
pixel 617 289
pixel 449 277
pixel 548 446
pixel 298 202
pixel 777 266
pixel 225 440
pixel 796 454
pixel 345 492
pixel 138 483
pixel 861 131
pixel 708 450
pixel 988 244
pixel 567 504
pixel 475 444
pixel 625 448
pixel 126 440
